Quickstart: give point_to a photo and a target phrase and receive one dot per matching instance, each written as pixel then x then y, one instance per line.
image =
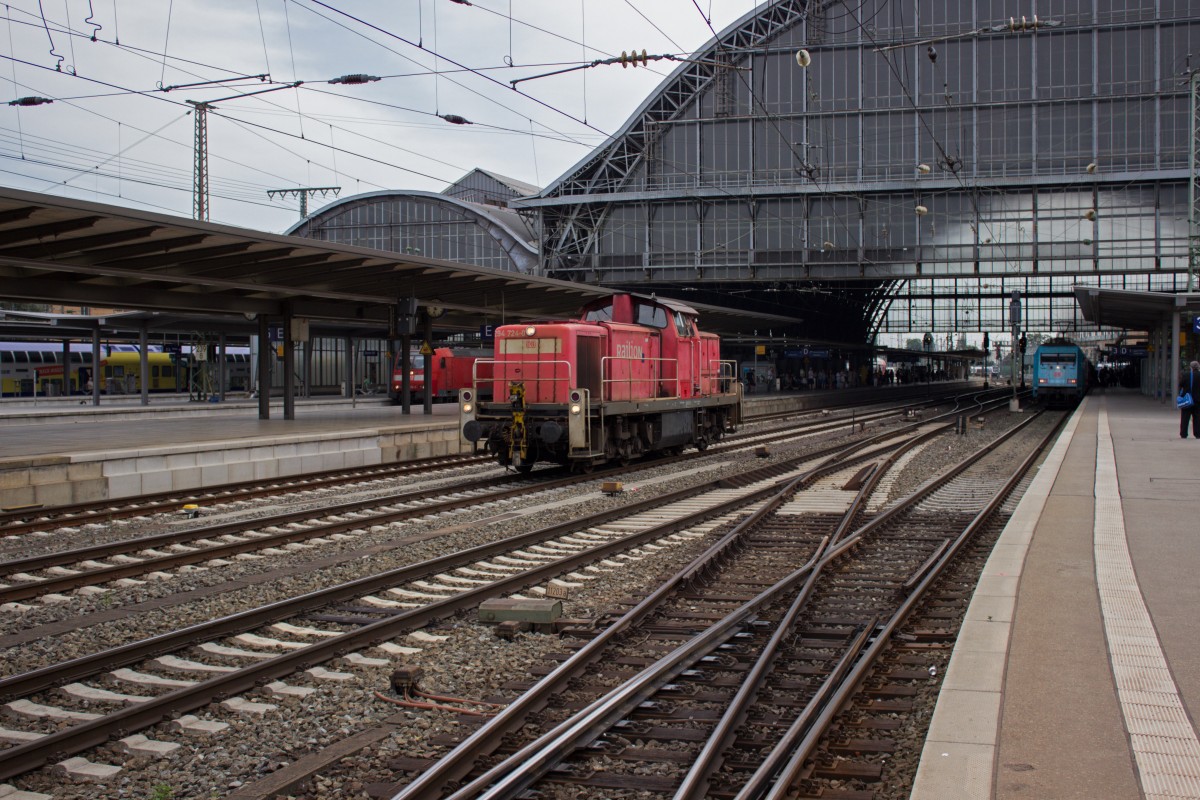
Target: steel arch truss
pixel 570 231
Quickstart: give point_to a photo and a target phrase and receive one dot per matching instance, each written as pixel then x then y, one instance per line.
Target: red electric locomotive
pixel 453 368
pixel 633 375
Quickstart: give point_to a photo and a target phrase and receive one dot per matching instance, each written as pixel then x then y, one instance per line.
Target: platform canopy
pixel 73 252
pixel 1139 311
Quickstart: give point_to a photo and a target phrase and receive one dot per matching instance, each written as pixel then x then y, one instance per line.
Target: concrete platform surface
pixel 1090 687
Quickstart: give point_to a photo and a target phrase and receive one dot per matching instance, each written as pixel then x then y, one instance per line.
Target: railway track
pixel 149 674
pixel 736 708
pixel 51 574
pixel 18 522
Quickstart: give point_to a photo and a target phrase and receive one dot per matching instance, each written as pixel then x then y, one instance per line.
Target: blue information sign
pixel 275 333
pixel 1196 324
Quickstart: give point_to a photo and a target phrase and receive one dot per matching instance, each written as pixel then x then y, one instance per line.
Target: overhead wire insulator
pixel 30 101
pixel 461 2
pixel 356 78
pixel 456 119
pixel 631 58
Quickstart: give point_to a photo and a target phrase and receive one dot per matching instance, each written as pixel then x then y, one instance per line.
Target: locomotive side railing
pixel 607 382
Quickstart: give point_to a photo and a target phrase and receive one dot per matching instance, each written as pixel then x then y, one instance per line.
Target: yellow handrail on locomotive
pixel 516 397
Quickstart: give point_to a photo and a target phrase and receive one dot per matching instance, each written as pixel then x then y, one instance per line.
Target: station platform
pixel 1077 671
pixel 56 454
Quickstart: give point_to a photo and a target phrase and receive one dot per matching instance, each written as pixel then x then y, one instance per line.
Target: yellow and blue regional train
pixel 29 367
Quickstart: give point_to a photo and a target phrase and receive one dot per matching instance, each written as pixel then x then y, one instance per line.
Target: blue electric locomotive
pixel 1060 372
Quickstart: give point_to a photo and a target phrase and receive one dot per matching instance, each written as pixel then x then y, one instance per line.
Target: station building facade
pixel 869 166
pixel 899 165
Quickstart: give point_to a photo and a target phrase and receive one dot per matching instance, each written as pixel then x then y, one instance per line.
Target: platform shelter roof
pixel 1131 310
pixel 66 251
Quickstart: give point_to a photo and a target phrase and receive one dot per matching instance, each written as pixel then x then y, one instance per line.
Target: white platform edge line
pixel 941 777
pixel 1124 612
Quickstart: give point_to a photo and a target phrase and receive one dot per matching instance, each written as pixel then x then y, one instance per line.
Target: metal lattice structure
pixel 929 157
pixel 200 168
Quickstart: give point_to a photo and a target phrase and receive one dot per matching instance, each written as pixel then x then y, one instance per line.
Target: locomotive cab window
pixel 602 314
pixel 683 325
pixel 651 316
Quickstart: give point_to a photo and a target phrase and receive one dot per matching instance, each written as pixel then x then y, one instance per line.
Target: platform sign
pixel 1196 324
pixel 487 332
pixel 370 353
pixel 275 333
pixel 807 352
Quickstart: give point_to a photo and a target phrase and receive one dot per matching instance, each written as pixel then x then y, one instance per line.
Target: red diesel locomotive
pixel 633 375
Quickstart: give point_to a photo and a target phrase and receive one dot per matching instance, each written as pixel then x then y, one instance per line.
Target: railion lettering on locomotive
pixel 630 350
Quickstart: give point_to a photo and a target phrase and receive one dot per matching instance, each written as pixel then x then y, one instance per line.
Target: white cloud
pixel 281 139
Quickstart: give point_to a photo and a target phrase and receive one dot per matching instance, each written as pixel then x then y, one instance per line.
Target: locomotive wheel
pixel 525 469
pixel 581 468
pixel 702 444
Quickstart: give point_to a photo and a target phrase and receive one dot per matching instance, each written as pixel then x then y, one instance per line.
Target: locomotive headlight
pixel 576 408
pixel 530 331
pixel 467 408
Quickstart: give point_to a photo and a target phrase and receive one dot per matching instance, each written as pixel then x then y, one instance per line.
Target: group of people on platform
pixel 822 379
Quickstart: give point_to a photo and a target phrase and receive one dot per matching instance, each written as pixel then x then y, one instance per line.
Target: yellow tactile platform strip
pixel 1164 742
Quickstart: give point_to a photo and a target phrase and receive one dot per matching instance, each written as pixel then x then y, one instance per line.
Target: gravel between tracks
pixel 471 662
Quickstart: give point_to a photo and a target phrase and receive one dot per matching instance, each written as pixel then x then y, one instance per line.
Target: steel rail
pixel 763 784
pixel 695 783
pixel 14 523
pixel 516 773
pixel 25 757
pixel 64 583
pixel 455 765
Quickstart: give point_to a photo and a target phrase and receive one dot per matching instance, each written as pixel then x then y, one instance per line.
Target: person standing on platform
pixel 1189 382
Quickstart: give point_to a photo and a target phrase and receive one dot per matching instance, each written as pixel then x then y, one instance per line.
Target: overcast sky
pixel 112 135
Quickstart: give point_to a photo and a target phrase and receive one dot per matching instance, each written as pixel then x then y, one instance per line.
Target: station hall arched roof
pixel 55 250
